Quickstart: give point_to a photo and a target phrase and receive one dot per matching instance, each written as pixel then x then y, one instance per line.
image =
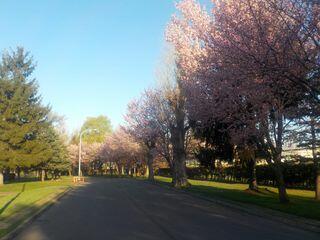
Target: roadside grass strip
pixel 19 201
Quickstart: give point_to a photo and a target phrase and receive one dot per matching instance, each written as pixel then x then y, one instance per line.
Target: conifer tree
pixel 22 115
pixel 54 154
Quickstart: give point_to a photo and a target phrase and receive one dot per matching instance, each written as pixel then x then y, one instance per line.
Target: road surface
pixel 130 209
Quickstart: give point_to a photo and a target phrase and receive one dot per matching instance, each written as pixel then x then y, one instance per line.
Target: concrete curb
pixel 29 220
pixel 270 214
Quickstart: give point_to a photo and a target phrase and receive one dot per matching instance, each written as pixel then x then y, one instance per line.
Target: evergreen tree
pixel 54 158
pixel 22 116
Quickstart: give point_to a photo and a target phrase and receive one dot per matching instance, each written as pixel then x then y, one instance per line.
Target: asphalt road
pixel 129 209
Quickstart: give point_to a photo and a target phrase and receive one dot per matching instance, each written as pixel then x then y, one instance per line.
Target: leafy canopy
pixel 103 126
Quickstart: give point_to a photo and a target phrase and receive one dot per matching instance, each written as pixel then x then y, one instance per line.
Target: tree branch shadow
pixel 12 199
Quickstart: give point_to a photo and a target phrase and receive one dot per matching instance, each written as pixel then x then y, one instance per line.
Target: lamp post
pixel 80 147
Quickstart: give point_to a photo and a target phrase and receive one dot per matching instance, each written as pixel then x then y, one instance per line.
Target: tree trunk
pixel 253 185
pixel 42 175
pixel 18 173
pixel 180 179
pixel 172 173
pixel 212 167
pixel 318 185
pixel 179 162
pixel 178 141
pixel 1 178
pixel 315 159
pixel 111 171
pixel 150 165
pixel 118 169
pixel 283 196
pixel 179 154
pixel 276 153
pixel 146 174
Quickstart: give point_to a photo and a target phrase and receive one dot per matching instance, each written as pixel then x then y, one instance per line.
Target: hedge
pixel 295 175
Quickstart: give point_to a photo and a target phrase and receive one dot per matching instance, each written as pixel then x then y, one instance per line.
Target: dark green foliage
pixel 217 145
pixel 27 137
pixel 296 175
pixel 23 117
pixel 56 159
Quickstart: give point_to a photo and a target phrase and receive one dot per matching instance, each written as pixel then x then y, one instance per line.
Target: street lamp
pixel 80 146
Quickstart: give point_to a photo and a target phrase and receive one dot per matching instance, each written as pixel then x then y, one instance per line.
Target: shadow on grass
pixel 14 221
pixel 12 199
pixel 299 206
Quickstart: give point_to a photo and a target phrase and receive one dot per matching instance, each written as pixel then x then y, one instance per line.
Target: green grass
pixel 301 201
pixel 20 200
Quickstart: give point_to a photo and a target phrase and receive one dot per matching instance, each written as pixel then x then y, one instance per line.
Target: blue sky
pixel 92 56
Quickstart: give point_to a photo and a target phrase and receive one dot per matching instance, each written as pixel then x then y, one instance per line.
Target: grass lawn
pixel 20 200
pixel 301 201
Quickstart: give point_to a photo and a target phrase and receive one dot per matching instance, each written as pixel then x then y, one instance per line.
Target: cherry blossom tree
pixel 248 64
pixel 141 125
pixel 90 162
pixel 122 151
pixel 172 118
